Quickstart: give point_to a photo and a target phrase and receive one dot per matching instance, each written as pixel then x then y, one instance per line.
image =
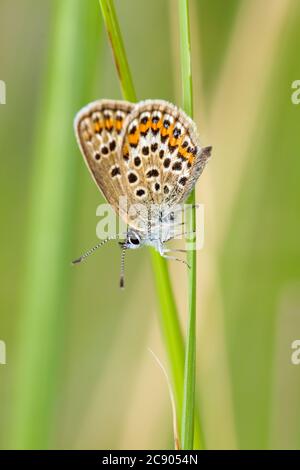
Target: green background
pixel 78 372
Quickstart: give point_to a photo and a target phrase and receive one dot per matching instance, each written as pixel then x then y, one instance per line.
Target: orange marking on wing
pixel 118 124
pixel 169 131
pixel 156 125
pixel 133 138
pixel 109 123
pixel 98 126
pixel 144 127
pixel 184 153
pixel 174 141
pixel 191 158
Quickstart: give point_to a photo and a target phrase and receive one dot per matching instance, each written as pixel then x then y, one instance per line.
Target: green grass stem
pixel 188 409
pixel 169 319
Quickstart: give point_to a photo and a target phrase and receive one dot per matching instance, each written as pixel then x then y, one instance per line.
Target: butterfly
pixel 148 153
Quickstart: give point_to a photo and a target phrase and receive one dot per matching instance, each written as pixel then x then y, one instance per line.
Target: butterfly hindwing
pixel 162 155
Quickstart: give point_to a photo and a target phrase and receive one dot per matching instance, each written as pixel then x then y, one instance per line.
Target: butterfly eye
pixel 134 241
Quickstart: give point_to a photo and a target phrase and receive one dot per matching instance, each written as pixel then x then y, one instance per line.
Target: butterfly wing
pixel 161 154
pixel 98 128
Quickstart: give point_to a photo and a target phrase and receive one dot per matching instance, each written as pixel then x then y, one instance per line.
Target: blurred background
pixel 79 374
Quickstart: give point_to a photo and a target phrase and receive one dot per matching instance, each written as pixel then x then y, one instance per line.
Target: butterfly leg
pixel 175 250
pixel 169 250
pixel 177 226
pixel 191 232
pixel 176 259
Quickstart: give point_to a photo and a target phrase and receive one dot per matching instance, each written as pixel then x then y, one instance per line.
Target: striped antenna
pixel 91 251
pixel 122 279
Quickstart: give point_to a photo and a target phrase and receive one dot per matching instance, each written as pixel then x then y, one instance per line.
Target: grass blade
pixel 116 41
pixel 169 320
pixel 188 409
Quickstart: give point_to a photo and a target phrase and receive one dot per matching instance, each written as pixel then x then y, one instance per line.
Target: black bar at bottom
pixel 135 458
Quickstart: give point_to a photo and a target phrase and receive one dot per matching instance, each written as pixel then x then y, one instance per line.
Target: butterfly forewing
pixel 98 128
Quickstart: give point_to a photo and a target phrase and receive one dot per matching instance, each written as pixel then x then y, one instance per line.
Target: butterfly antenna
pixel 122 277
pixel 91 251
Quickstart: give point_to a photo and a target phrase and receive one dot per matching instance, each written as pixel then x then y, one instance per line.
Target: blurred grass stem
pixel 52 207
